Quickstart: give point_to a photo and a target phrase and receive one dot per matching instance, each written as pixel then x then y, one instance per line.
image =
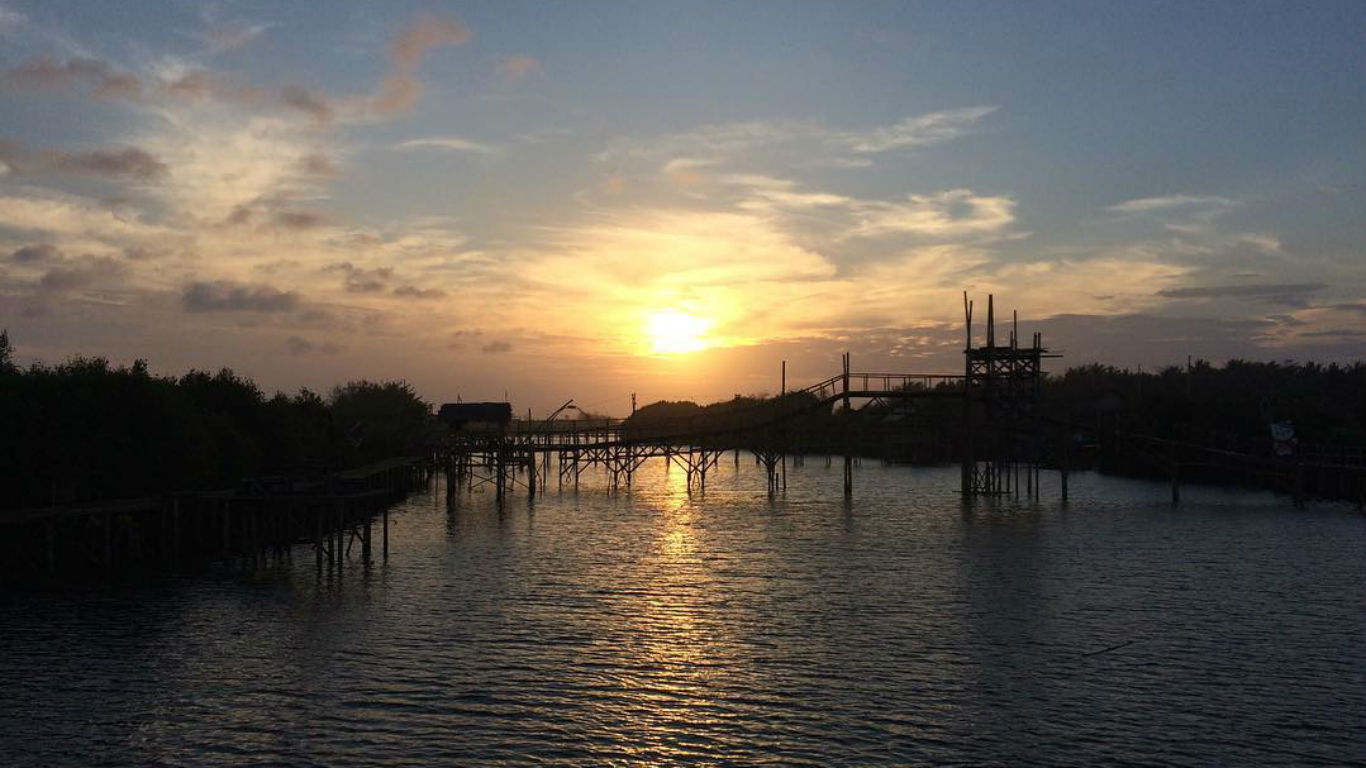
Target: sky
pixel 543 201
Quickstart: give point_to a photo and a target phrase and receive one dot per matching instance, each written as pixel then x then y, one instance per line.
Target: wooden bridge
pixel 694 443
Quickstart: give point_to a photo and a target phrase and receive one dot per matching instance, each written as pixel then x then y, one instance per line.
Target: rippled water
pixel 650 628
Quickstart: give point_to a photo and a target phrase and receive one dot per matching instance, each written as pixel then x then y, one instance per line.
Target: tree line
pixel 1233 405
pixel 85 429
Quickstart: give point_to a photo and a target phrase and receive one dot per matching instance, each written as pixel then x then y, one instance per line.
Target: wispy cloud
pixel 363 280
pixel 519 67
pixel 11 21
pixel 918 131
pixel 401 89
pixel 225 167
pixel 1288 294
pixel 229 296
pixel 87 272
pixel 414 292
pixel 1173 202
pixel 129 162
pixel 230 35
pixel 950 213
pixel 298 346
pixel 310 103
pixel 101 78
pixel 446 143
pixel 74 219
pixel 807 142
pixel 34 252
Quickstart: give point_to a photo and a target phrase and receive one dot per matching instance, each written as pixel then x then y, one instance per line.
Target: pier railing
pixel 740 419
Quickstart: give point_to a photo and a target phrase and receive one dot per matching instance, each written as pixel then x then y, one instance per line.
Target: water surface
pixel 649 627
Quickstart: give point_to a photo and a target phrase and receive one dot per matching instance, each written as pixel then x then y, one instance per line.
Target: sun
pixel 673 332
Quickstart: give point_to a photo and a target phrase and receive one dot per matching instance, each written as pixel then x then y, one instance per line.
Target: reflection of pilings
pixel 848 455
pixel 694 462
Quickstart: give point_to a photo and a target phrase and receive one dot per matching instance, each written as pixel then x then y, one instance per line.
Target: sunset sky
pixel 555 200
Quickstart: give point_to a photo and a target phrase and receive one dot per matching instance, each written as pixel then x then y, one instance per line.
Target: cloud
pixel 519 67
pixel 400 88
pixel 496 347
pixel 319 165
pixel 220 164
pixel 202 85
pixel 797 143
pixel 1337 333
pixel 950 213
pixel 1170 202
pixel 11 21
pixel 48 73
pixel 918 131
pixel 310 103
pixel 298 219
pixel 144 253
pixel 411 291
pixel 207 86
pixel 458 338
pixel 82 273
pixel 129 162
pixel 36 252
pixel 229 296
pixel 360 280
pixel 297 346
pixel 68 218
pixel 712 143
pixel 446 143
pixel 834 219
pixel 231 35
pixel 1289 294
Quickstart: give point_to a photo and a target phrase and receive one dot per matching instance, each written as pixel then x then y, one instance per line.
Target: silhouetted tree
pixel 86 430
pixel 379 420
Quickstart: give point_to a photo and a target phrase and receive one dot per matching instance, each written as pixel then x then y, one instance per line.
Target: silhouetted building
pixel 475 416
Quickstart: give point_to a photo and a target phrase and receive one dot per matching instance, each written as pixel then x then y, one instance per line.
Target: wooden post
pixel 386 532
pixel 365 540
pixel 339 548
pixel 1176 476
pixel 318 537
pixel 531 471
pixel 1063 465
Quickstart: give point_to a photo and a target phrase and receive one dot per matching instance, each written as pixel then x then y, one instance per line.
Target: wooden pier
pixel 332 518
